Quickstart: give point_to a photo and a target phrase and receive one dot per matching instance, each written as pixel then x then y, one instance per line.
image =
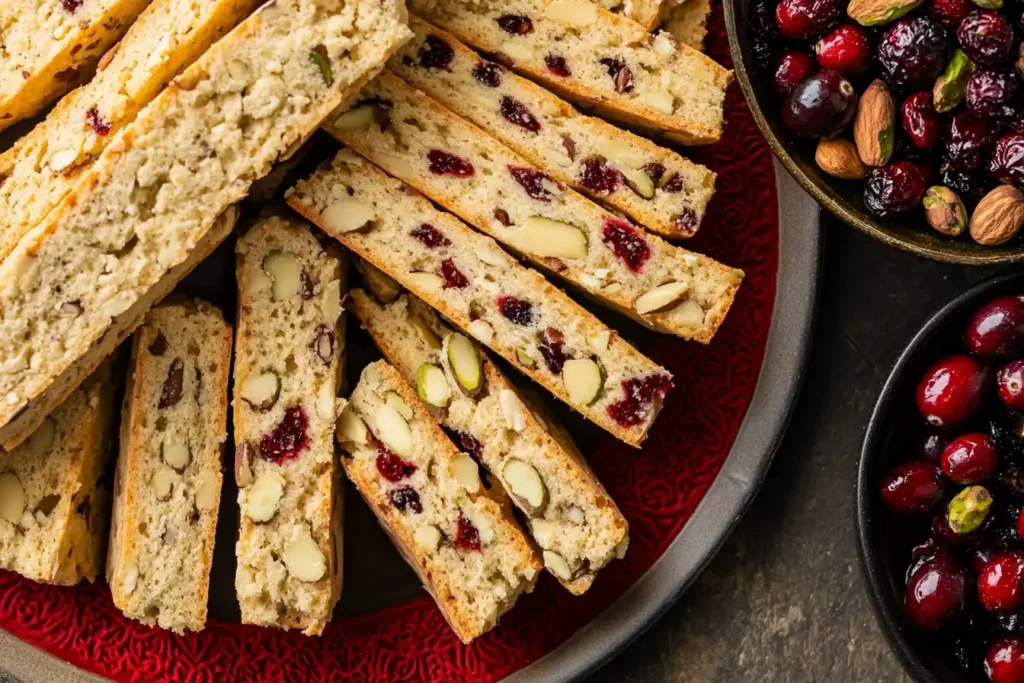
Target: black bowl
pixel 886 443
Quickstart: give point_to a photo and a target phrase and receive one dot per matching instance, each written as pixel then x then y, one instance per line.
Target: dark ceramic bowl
pixel 887 442
pixel 843 197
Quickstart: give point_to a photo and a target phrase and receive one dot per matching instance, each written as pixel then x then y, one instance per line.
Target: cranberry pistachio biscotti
pixel 168 476
pixel 654 186
pixel 597 58
pixel 44 165
pixel 47 47
pixel 474 176
pixel 472 282
pixel 465 545
pixel 155 191
pixel 53 508
pixel 287 371
pixel 688 22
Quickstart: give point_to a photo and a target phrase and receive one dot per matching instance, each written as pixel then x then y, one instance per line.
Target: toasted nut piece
pixel 12 497
pixel 516 51
pixel 393 430
pixel 875 12
pixel 304 559
pixel 383 287
pixel 944 211
pixel 582 380
pixel 347 215
pixel 41 440
pixel 481 330
pixel 163 483
pixel 428 282
pixel 688 313
pixel 622 153
pixel 261 390
pixel 838 157
pixel 998 216
pixel 427 537
pixel 525 484
pixel 285 273
pixel 483 526
pixel 131 578
pixel 557 565
pixel 600 341
pixel 206 490
pixel 176 454
pixel 351 427
pixel 357 119
pixel 525 358
pixel 243 464
pixel 462 363
pixel 264 496
pixel 398 403
pixel 490 254
pixel 638 181
pixel 577 14
pixel 874 128
pixel 466 472
pixel 550 238
pixel 424 331
pixel 575 515
pixel 661 100
pixel 951 85
pixel 432 386
pixel 63 159
pixel 327 401
pixel 661 298
pixel 512 410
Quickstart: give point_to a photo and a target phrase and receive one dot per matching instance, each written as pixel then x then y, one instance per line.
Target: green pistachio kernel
pixel 318 55
pixel 968 509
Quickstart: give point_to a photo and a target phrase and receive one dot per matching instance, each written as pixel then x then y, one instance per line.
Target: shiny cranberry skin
pixel 551 347
pixel 969 459
pixel 806 19
pixel 996 330
pixel 821 105
pixel 393 467
pixel 894 188
pixel 930 448
pixel 968 141
pixel 986 37
pixel 1007 160
pixel 912 52
pixel 405 499
pixel 533 181
pixel 640 396
pixel 430 236
pixel 444 163
pixel 847 50
pixel 970 187
pixel 951 12
pixel 627 243
pixel 1004 660
pixel 99 125
pixel 599 177
pixel 518 311
pixel 913 488
pixel 1001 582
pixel 488 73
pixel 935 593
pixel 791 68
pixel 1020 524
pixel 952 390
pixel 920 120
pixel 515 24
pixel 557 65
pixel 288 437
pixel 466 535
pixel 516 112
pixel 1010 385
pixel 991 94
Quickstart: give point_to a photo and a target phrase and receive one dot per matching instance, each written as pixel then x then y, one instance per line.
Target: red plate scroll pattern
pixel 657 489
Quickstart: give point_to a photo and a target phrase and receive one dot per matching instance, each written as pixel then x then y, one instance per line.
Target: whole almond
pixel 875 125
pixel 838 157
pixel 998 216
pixel 875 12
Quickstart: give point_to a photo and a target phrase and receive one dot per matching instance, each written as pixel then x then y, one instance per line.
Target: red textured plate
pixel 681 494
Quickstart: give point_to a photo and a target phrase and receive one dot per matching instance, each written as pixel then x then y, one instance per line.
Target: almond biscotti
pixel 474 176
pixel 570 516
pixel 47 47
pixel 688 22
pixel 597 58
pixel 168 476
pixel 647 13
pixel 466 547
pixel 155 191
pixel 53 509
pixel 483 290
pixel 44 165
pixel 287 374
pixel 654 186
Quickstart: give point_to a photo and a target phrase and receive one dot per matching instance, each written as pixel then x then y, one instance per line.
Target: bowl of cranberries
pixel 940 493
pixel 905 118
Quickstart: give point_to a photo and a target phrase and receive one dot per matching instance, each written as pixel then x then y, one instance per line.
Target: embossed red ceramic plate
pixel 727 411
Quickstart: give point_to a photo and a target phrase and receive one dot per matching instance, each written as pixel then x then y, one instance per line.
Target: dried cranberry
pixel 654 171
pixel 951 391
pixel 968 141
pixel 676 184
pixel 443 163
pixel 627 243
pixel 99 125
pixel 393 467
pixel 287 439
pixel 471 445
pixel 430 236
pixel 935 593
pixel 405 498
pixel 821 105
pixel 518 311
pixel 1004 660
pixel 516 112
pixel 1007 160
pixel 501 215
pixel 951 12
pixel 847 50
pixel 453 277
pixel 466 535
pixel 912 52
pixel 986 37
pixel 686 222
pixel 71 6
pixel 533 181
pixel 970 187
pixel 551 347
pixel 488 73
pixel 515 24
pixel 806 19
pixel 969 459
pixel 991 93
pixel 912 488
pixel 599 177
pixel 640 394
pixel 791 68
pixel 557 65
pixel 764 32
pixel 620 73
pixel 894 188
pixel 996 330
pixel 1010 384
pixel 920 120
pixel 436 53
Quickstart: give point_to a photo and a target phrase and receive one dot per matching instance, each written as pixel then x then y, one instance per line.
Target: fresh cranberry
pixel 951 12
pixel 1020 524
pixel 1007 160
pixel 991 94
pixel 466 536
pixel 557 65
pixel 518 311
pixel 791 68
pixel 980 557
pixel 924 551
pixel 515 24
pixel 443 163
pixel 1004 660
pixel 952 390
pixel 912 488
pixel 986 37
pixel 847 50
pixel 488 73
pixel 287 439
pixel 635 406
pixel 436 53
pixel 930 448
pixel 621 74
pixel 627 243
pixel 599 177
pixel 920 120
pixel 393 467
pixel 936 593
pixel 1001 582
pixel 72 6
pixel 968 141
pixel 894 188
pixel 533 181
pixel 430 236
pixel 912 52
pixel 969 459
pixel 996 330
pixel 516 112
pixel 551 348
pixel 1010 383
pixel 821 105
pixel 806 19
pixel 453 277
pixel 405 498
pixel 99 125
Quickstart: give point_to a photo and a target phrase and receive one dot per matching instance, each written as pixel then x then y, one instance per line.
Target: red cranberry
pixel 1020 524
pixel 920 120
pixel 980 557
pixel 443 163
pixel 951 12
pixel 640 395
pixel 621 74
pixel 1007 160
pixel 821 105
pixel 436 53
pixel 969 459
pixel 952 390
pixel 393 467
pixel 71 6
pixel 986 37
pixel 551 348
pixel 533 181
pixel 627 243
pixel 453 277
pixel 894 188
pixel 924 551
pixel 488 73
pixel 1004 660
pixel 1001 582
pixel 968 141
pixel 912 52
pixel 913 488
pixel 471 445
pixel 996 330
pixel 676 184
pixel 686 222
pixel 598 177
pixel 792 67
pixel 518 311
pixel 806 19
pixel 991 94
pixel 430 236
pixel 405 498
pixel 517 113
pixel 515 24
pixel 1010 383
pixel 847 50
pixel 466 536
pixel 99 125
pixel 287 439
pixel 936 593
pixel 930 448
pixel 557 65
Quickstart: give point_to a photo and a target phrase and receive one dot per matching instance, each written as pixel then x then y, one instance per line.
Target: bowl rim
pixel 889 619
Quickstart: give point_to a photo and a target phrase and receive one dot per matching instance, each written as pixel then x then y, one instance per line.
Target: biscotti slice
pixel 168 476
pixel 466 546
pixel 53 510
pixel 656 187
pixel 688 22
pixel 474 176
pixel 44 165
pixel 647 13
pixel 510 308
pixel 569 514
pixel 47 47
pixel 155 191
pixel 287 372
pixel 595 57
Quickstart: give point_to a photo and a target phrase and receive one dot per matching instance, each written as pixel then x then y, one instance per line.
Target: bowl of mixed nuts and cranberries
pixel 905 118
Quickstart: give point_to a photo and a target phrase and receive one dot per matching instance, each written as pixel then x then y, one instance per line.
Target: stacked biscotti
pixel 597 58
pixel 43 166
pixel 472 282
pixel 655 186
pixel 287 375
pixel 53 509
pixel 168 477
pixel 89 271
pixel 47 47
pixel 463 543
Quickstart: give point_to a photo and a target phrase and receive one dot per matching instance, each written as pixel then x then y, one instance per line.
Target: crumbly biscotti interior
pixel 472 282
pixel 168 477
pixel 53 513
pixel 688 22
pixel 570 516
pixel 466 547
pixel 477 178
pixel 647 13
pixel 593 56
pixel 656 187
pixel 287 373
pixel 43 166
pixel 157 188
